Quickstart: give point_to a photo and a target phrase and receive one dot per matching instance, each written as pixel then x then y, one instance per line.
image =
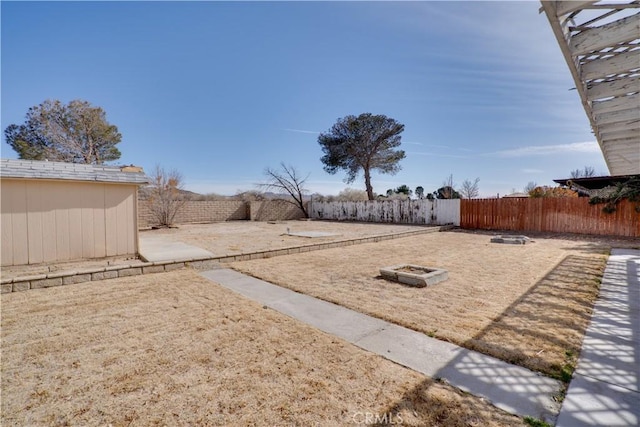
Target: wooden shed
pixel 54 211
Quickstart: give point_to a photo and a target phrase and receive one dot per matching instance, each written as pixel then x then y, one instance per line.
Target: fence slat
pixel 436 212
pixel 558 214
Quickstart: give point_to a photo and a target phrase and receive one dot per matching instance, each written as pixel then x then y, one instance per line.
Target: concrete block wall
pixel 274 210
pixel 198 211
pixel 195 211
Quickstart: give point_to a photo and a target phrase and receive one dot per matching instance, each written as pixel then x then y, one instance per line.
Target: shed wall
pixel 50 221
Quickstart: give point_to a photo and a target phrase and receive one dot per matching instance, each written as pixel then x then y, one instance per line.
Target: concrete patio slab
pixel 605 389
pixel 512 388
pixel 157 248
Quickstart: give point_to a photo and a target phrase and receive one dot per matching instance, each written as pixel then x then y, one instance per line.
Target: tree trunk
pixel 367 183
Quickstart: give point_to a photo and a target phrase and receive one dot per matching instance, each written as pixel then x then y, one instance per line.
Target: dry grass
pixel 526 304
pixel 175 349
pixel 237 237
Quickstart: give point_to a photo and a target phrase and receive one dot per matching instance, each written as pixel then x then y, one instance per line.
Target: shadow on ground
pixel 552 317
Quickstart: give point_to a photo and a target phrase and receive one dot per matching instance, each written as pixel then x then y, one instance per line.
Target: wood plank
pixel 616 127
pixel 617 87
pixel 608 35
pixel 618 116
pixel 34 221
pixel 562 215
pixel 616 104
pixel 566 7
pixel 600 68
pixel 626 133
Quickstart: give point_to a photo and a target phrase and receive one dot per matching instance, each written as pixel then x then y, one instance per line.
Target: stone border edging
pixel 39 281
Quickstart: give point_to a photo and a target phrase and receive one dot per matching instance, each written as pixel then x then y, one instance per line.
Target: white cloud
pixel 420 153
pixel 302 131
pixel 545 150
pixel 532 171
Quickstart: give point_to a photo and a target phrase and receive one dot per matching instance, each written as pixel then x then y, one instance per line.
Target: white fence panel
pixel 431 212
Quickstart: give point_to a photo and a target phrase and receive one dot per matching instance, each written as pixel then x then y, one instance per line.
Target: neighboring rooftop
pixel 595 186
pixel 34 169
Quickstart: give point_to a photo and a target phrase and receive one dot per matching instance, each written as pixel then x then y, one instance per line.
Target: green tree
pixel 77 132
pixel 403 189
pixel 366 142
pixel 420 192
pixel 447 191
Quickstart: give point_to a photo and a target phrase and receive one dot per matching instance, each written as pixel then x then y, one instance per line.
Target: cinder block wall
pixel 198 211
pixel 224 210
pixel 274 210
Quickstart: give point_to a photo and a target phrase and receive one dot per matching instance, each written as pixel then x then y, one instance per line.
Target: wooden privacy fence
pixel 557 214
pixel 436 212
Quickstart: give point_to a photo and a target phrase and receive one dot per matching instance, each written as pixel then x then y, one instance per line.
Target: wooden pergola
pixel 600 41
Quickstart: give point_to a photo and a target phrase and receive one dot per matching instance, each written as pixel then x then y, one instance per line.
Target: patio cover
pixel 600 41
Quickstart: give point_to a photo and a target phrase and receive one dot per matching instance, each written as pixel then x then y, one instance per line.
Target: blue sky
pixel 222 90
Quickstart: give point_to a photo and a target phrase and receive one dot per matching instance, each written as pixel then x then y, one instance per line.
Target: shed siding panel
pixel 48 221
pixel 34 222
pixel 72 198
pixel 99 240
pixel 49 231
pixel 87 191
pixel 63 241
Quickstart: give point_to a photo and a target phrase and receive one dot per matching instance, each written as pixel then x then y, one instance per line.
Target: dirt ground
pixel 526 304
pixel 228 238
pixel 238 237
pixel 174 349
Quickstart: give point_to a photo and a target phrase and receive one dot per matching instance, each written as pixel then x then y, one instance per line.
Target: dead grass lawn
pixel 526 304
pixel 238 237
pixel 175 349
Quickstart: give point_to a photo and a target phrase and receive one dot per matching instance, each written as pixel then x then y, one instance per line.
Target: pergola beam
pixel 616 104
pixel 618 116
pixel 617 127
pixel 627 133
pixel 564 7
pixel 603 56
pixel 613 88
pixel 618 64
pixel 611 34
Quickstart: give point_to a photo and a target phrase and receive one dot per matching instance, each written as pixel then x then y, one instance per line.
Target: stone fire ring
pixel 414 275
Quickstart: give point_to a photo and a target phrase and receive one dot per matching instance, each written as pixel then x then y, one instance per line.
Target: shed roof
pixel 600 41
pixel 34 169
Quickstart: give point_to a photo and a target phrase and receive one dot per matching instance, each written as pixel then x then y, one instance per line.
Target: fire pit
pixel 414 275
pixel 513 240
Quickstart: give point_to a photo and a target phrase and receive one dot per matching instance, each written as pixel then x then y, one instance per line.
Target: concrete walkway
pixel 513 388
pixel 159 248
pixel 605 390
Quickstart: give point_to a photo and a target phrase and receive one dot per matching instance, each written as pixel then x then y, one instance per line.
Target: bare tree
pixel 165 195
pixel 469 189
pixel 583 173
pixel 531 185
pixel 287 179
